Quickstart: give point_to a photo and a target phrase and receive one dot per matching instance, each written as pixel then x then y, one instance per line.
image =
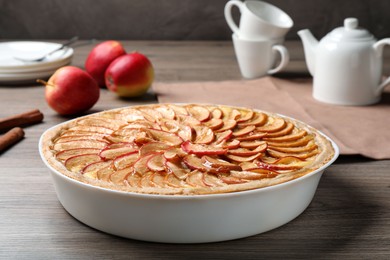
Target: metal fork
pixel 65 44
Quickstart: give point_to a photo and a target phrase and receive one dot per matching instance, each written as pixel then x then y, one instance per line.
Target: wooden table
pixel 349 217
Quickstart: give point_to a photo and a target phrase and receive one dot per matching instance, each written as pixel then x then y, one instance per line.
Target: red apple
pixel 130 75
pixel 101 57
pixel 70 90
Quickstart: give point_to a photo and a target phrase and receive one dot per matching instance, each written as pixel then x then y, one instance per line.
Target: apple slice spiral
pixel 176 149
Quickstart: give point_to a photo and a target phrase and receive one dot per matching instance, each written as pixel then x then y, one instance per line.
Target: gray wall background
pixel 172 19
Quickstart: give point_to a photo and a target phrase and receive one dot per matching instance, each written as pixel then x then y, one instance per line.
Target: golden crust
pixel 314 151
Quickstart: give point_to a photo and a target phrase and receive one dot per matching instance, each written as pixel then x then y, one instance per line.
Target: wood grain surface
pixel 349 217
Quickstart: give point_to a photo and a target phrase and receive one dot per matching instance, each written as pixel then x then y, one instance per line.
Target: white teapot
pixel 346 65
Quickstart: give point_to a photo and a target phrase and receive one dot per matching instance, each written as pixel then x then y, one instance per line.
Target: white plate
pixel 26 78
pixel 33 72
pixel 30 50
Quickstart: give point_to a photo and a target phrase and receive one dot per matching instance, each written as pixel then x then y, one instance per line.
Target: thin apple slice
pixel 223 136
pixel 78 162
pixel 212 180
pixel 227 125
pixel 102 122
pixel 203 135
pixel 247 166
pixel 104 173
pixel 146 180
pixel 156 163
pixel 188 120
pixel 290 160
pixel 281 133
pixel 140 165
pixel 177 169
pixel 128 132
pixel 214 123
pixel 134 179
pixel 130 115
pixel 158 179
pixel 80 144
pixel 179 110
pixel 67 138
pixel 65 154
pixel 150 115
pixel 91 169
pixel 301 149
pixel 286 138
pixel 70 133
pixel 258 120
pixel 172 181
pixel 126 135
pixel 195 179
pixel 198 112
pixel 274 125
pixel 304 155
pixel 169 125
pixel 115 150
pixel 200 149
pixel 228 179
pixel 174 154
pixel 153 147
pixel 247 152
pixel 219 165
pixel 143 139
pixel 231 144
pixel 185 133
pixel 194 163
pixel 120 177
pixel 283 164
pixel 225 112
pixel 216 113
pixel 243 158
pixel 251 136
pixel 141 125
pixel 295 143
pixel 250 175
pixel 166 112
pixel 125 160
pixel 93 129
pixel 235 114
pixel 253 144
pixel 244 131
pixel 163 136
pixel 246 115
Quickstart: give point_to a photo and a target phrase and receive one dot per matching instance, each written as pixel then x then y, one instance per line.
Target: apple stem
pixel 42 82
pixel 45 83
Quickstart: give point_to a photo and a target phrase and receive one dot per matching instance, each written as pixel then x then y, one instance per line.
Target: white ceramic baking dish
pixel 183 218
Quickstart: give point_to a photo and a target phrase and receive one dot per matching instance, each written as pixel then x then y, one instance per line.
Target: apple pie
pixel 185 149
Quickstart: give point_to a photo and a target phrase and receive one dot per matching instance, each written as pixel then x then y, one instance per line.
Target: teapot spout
pixel 309 46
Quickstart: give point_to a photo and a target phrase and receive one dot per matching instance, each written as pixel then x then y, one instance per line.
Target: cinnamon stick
pixel 11 137
pixel 27 118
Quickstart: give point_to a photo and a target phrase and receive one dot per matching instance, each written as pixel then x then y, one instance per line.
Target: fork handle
pixel 65 44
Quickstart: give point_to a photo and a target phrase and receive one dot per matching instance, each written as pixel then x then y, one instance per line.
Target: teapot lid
pixel 351 32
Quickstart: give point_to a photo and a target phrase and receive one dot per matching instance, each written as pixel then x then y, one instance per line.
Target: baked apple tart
pixel 185 149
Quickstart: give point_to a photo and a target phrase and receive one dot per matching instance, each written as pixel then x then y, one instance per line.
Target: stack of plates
pixel 14 71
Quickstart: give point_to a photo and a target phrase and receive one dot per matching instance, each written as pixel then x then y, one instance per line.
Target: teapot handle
pixel 378 47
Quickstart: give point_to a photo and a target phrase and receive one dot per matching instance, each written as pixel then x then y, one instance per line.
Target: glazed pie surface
pixel 185 149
